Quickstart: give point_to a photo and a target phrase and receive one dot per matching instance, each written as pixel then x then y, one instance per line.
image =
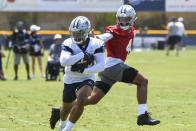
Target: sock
pixel 62 123
pixel 142 108
pixel 69 125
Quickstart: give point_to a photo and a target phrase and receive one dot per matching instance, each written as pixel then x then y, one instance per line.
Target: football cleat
pixel 28 78
pixel 55 116
pixel 16 78
pixel 145 119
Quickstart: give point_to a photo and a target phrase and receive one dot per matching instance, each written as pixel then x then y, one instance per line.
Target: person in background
pixel 2 74
pixel 19 42
pixel 182 29
pixel 36 49
pixel 174 37
pixel 54 57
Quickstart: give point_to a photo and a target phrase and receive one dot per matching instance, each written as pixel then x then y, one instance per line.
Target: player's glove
pixel 78 68
pixel 89 58
pixel 81 65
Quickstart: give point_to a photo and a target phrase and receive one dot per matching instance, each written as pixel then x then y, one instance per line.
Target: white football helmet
pixel 125 16
pixel 79 29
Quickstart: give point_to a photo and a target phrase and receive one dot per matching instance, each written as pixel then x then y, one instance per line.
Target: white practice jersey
pixel 181 30
pixel 175 28
pixel 72 53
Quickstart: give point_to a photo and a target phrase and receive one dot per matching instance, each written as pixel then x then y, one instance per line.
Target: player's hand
pixel 77 68
pixel 92 34
pixel 89 58
pixel 83 63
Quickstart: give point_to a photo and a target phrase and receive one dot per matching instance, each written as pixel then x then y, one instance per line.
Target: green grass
pixel 26 105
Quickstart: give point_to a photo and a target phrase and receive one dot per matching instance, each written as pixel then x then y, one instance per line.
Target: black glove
pixel 89 58
pixel 77 68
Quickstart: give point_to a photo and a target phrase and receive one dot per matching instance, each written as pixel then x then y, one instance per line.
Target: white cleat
pixel 33 76
pixel 43 76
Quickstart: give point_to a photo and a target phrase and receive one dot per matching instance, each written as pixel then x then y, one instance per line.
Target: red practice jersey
pixel 116 47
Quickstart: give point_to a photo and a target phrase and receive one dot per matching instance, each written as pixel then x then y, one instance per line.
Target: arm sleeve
pixel 67 59
pixel 50 50
pixel 105 36
pixel 99 66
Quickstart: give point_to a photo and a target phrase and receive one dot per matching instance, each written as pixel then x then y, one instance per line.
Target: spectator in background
pixel 182 29
pixel 54 57
pixel 36 49
pixel 2 74
pixel 19 42
pixel 174 37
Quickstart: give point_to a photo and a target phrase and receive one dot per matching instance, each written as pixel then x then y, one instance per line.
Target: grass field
pixel 26 105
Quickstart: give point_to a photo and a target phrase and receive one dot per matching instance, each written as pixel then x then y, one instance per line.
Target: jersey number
pixel 129 46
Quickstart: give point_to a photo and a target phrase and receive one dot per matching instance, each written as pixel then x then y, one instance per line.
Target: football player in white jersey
pixel 82 57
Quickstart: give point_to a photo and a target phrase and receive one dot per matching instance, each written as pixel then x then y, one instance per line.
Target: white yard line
pixel 24 121
pixel 82 129
pixel 3 129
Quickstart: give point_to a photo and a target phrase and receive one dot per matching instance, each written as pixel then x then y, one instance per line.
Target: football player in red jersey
pixel 118 41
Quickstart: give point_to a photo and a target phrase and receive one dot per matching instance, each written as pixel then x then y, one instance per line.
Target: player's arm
pixel 50 53
pixel 67 58
pixel 168 30
pixel 99 58
pixel 11 40
pixel 41 45
pixel 104 37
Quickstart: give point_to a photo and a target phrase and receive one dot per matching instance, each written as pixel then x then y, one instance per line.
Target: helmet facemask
pixel 124 22
pixel 79 37
pixel 79 29
pixel 125 16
